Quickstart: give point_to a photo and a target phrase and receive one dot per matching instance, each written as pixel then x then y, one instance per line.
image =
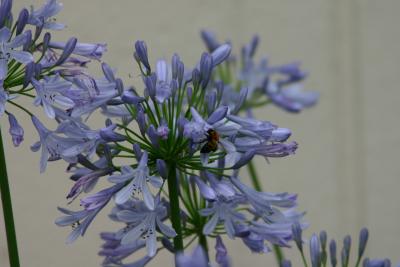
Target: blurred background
pixel 346 170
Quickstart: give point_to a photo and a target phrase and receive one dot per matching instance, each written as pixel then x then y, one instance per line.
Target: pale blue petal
pixel 73 235
pixel 156 181
pixel 147 196
pixel 3 68
pixel 18 41
pixel 230 229
pixel 22 56
pixel 151 245
pixel 211 224
pixel 165 229
pixel 5 34
pixel 48 109
pixel 124 194
pixel 64 101
pixel 132 235
pixel 43 159
pixel 129 216
pixel 65 220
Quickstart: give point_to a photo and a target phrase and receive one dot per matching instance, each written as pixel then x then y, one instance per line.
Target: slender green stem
pixel 254 177
pixel 7 210
pixel 173 192
pixel 358 261
pixel 304 259
pixel 279 256
pixel 21 107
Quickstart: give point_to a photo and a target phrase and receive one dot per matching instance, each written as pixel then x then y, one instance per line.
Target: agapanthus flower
pixel 50 92
pixel 55 80
pixel 292 98
pixel 80 220
pixel 8 50
pixel 142 223
pixel 90 93
pixel 171 154
pixel 114 252
pixel 277 84
pixel 52 145
pixel 223 210
pixel 137 182
pixel 188 140
pixel 43 17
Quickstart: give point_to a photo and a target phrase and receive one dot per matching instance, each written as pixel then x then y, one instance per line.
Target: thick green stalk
pixel 7 210
pixel 173 191
pixel 257 186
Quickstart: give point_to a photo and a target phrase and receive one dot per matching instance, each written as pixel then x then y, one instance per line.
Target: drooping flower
pixel 52 145
pixel 43 17
pixel 137 182
pixel 114 252
pixel 142 223
pixel 292 98
pixel 277 84
pixel 52 91
pixel 8 52
pixel 16 131
pixel 89 93
pixel 223 210
pixel 265 203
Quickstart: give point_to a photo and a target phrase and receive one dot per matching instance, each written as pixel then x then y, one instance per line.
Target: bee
pixel 212 142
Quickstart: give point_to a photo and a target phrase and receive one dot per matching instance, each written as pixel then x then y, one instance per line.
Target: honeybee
pixel 212 142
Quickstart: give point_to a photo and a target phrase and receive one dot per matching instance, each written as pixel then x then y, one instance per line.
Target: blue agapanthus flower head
pixel 173 153
pixel 172 150
pixel 33 64
pixel 280 84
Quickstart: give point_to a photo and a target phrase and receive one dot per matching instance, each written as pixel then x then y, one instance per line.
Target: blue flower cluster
pixel 280 85
pixel 52 73
pixel 171 151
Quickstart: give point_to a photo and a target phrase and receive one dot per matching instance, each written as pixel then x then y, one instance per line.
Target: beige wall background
pixel 347 169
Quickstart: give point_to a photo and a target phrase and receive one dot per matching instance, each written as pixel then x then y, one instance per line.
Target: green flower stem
pixel 253 176
pixel 173 192
pixel 278 254
pixel 257 185
pixel 303 259
pixel 7 210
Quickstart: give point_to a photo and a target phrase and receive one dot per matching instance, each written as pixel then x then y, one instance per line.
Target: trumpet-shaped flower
pixel 8 50
pixel 43 17
pixel 142 223
pixel 137 180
